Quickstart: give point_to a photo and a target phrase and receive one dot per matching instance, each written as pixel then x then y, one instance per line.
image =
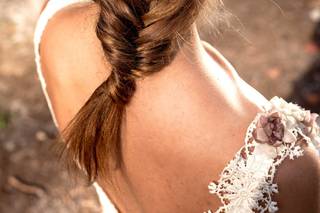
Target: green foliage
pixel 4 120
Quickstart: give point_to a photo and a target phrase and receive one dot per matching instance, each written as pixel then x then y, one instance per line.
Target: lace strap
pixel 247 183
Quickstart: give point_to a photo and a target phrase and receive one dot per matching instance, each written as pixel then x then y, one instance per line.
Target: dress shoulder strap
pixel 247 183
pixel 52 7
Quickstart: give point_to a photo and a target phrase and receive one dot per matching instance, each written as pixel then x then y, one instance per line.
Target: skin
pixel 183 125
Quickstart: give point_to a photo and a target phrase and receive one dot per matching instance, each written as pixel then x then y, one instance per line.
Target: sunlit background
pixel 272 43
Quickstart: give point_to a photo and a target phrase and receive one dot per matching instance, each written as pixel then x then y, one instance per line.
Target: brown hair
pixel 139 37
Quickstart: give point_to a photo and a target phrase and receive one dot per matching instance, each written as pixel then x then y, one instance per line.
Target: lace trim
pixel 247 183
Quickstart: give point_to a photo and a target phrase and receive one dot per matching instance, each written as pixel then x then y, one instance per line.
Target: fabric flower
pixel 246 185
pixel 312 129
pixel 288 109
pixel 298 118
pixel 271 129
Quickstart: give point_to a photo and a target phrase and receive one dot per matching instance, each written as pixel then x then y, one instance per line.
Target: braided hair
pixel 139 38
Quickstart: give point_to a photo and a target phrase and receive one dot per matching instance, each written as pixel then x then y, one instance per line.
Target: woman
pixel 153 114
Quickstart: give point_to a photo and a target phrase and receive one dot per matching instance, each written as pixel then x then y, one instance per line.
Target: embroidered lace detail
pixel 246 183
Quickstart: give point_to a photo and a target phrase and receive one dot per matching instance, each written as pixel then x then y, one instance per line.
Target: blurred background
pixel 274 45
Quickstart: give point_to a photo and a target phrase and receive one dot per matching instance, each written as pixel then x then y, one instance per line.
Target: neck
pixel 199 60
pixel 192 49
pixel 197 55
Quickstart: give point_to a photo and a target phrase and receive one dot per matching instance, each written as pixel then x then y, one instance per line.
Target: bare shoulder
pixel 299 183
pixel 74 18
pixel 69 38
pixel 71 57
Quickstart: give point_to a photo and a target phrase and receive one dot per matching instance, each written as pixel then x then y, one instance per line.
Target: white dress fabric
pixel 247 183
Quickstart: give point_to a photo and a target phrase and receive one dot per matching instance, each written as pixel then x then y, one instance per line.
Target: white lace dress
pixel 247 182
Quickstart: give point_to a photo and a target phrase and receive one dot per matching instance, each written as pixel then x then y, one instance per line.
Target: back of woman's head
pixel 139 37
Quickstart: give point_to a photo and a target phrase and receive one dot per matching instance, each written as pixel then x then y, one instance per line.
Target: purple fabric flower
pixel 271 129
